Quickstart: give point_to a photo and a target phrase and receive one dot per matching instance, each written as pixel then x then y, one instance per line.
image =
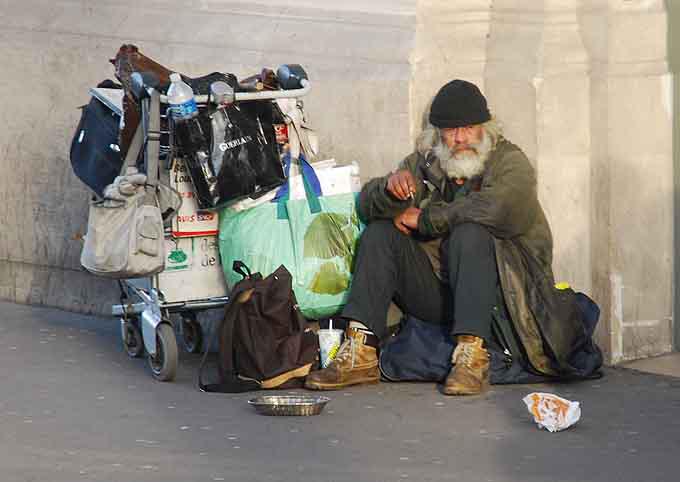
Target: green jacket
pixel 546 320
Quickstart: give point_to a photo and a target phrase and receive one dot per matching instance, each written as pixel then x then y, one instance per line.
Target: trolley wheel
pixel 192 334
pixel 132 339
pixel 164 363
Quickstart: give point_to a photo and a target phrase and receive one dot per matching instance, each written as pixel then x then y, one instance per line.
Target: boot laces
pixel 346 350
pixel 464 354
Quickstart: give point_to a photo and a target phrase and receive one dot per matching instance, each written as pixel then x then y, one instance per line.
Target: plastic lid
pixel 222 92
pixel 175 77
pixel 221 88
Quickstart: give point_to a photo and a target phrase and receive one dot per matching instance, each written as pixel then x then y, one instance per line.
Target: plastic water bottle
pixel 193 142
pixel 181 99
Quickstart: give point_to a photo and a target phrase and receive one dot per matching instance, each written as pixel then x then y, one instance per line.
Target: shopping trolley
pixel 146 304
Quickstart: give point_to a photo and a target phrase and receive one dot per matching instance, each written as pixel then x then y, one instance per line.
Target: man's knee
pixel 381 239
pixel 380 231
pixel 469 237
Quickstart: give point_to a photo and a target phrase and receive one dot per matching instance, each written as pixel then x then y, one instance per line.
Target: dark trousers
pixel 393 266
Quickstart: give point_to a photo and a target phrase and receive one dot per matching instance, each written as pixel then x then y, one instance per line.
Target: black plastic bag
pixel 194 146
pixel 244 153
pixel 230 154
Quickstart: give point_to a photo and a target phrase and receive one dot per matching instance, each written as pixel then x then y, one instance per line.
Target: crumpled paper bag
pixel 552 412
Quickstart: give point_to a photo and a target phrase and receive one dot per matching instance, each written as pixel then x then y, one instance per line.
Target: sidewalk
pixel 73 407
pixel 661 365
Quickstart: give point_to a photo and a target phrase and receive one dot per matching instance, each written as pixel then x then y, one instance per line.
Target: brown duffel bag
pixel 129 59
pixel 264 342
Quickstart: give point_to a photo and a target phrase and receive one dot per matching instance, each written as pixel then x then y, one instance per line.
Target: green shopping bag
pixel 258 238
pixel 315 238
pixel 325 244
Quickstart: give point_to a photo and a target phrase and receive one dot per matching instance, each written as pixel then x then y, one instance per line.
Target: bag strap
pixel 151 142
pixel 134 149
pixel 241 268
pixel 310 181
pixel 153 138
pixel 231 383
pixel 296 121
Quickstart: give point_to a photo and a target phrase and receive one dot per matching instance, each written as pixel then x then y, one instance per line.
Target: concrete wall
pixel 54 50
pixel 582 85
pixel 673 7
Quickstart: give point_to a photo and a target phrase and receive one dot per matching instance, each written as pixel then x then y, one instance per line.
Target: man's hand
pixel 401 185
pixel 407 221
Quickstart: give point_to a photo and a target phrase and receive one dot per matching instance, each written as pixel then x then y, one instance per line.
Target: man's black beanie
pixel 459 103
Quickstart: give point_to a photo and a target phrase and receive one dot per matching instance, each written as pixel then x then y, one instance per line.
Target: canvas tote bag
pixel 125 232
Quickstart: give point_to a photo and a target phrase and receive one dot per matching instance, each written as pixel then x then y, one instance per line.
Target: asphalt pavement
pixel 74 407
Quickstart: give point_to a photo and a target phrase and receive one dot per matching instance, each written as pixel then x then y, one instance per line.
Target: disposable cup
pixel 329 343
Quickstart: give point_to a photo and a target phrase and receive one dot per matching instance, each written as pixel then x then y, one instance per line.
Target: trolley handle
pixel 265 95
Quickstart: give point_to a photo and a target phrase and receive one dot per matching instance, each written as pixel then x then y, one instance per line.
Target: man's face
pixel 460 139
pixel 463 151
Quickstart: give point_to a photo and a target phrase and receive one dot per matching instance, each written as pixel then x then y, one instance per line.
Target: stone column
pixel 451 42
pixel 537 82
pixel 632 219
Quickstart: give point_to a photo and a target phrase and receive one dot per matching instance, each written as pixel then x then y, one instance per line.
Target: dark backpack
pixel 95 154
pixel 263 339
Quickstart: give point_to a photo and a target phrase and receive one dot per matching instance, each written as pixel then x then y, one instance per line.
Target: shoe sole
pixel 484 388
pixel 338 386
pixel 302 371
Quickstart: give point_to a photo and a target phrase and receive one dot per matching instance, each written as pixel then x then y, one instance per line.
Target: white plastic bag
pixel 552 412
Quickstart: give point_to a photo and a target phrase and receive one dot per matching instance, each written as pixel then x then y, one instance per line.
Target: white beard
pixel 465 164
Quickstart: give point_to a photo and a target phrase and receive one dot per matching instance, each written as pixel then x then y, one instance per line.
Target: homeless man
pixel 456 232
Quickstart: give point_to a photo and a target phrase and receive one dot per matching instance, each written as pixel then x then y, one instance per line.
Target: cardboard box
pixel 190 221
pixel 193 270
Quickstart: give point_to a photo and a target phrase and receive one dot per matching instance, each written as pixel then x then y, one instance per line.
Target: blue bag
pixel 422 351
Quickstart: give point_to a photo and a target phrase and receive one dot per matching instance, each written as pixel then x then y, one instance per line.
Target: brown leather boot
pixel 355 363
pixel 470 372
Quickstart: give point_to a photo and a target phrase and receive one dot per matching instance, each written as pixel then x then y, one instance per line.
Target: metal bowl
pixel 299 405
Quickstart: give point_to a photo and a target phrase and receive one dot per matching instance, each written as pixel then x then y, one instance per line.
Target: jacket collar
pixel 433 172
